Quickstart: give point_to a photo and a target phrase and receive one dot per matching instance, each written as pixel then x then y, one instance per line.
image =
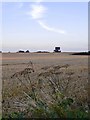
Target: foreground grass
pixel 45 96
pixel 0 117
pixel 60 110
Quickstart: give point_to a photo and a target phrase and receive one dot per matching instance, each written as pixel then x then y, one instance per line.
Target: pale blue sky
pixel 22 31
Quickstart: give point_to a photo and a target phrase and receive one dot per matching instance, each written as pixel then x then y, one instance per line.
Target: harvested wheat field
pixel 49 85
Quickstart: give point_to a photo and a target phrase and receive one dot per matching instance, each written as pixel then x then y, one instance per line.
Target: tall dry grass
pixel 46 93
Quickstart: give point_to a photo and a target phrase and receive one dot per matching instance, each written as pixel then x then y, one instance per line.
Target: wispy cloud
pixel 50 28
pixel 37 12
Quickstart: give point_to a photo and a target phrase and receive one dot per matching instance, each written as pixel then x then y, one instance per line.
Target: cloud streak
pixel 50 28
pixel 37 12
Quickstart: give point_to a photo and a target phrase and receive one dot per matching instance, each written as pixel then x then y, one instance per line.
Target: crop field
pixel 50 85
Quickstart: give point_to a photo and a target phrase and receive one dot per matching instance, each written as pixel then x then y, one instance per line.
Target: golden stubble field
pixel 43 72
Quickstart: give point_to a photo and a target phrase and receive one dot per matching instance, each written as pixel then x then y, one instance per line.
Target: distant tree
pixel 21 51
pixel 57 49
pixel 27 51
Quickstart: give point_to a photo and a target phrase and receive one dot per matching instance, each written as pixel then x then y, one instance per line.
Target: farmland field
pixel 43 72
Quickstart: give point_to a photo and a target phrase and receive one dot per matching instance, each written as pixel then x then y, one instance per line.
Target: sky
pixel 44 25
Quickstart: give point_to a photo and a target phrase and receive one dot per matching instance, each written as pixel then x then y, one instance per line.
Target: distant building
pixel 57 49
